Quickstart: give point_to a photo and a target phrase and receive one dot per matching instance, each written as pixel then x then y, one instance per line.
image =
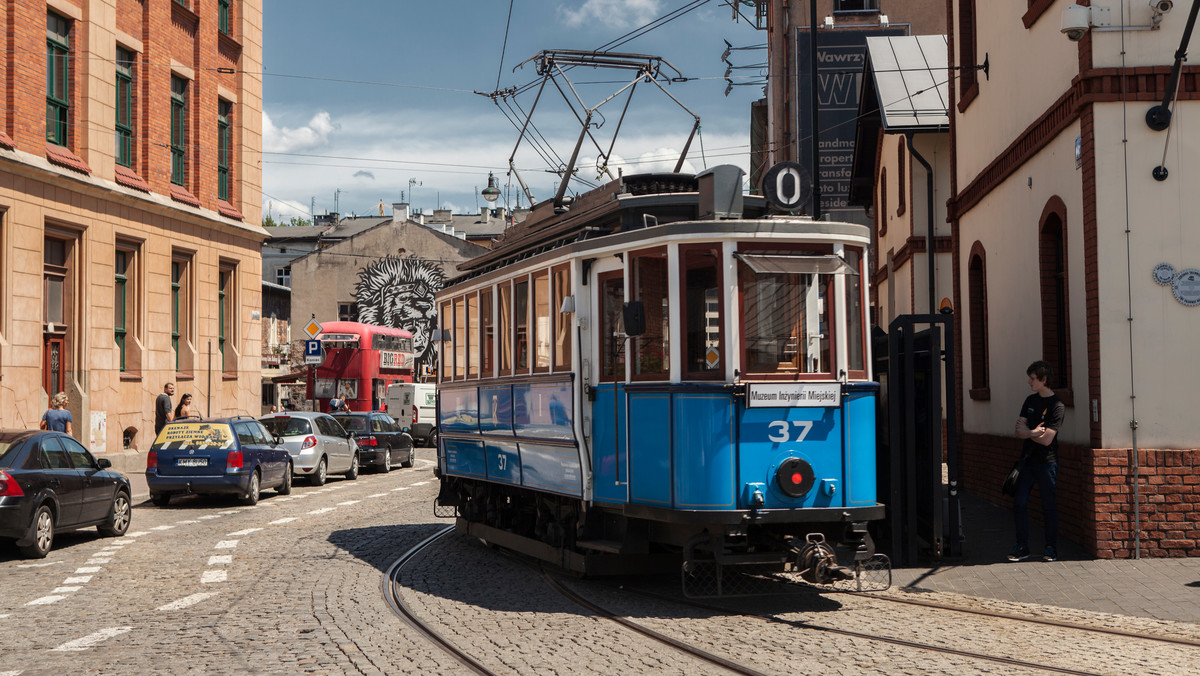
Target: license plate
pixel 191 462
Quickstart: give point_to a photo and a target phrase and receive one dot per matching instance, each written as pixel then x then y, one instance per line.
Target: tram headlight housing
pixel 795 477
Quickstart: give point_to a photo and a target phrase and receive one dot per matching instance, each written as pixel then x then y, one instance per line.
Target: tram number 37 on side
pixel 781 431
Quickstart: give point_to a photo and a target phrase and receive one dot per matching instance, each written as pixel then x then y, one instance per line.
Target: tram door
pixel 922 509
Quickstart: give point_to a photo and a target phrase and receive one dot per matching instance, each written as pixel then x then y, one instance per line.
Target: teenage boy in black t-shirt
pixel 1038 422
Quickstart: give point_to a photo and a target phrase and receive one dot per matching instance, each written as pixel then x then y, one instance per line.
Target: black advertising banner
pixel 841 55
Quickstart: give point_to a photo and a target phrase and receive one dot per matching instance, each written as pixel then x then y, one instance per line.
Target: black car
pixel 381 442
pixel 50 483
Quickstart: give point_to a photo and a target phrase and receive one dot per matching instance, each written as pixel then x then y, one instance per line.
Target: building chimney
pixel 399 212
pixel 485 213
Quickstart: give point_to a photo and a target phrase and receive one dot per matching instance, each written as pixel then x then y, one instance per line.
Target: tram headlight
pixel 795 477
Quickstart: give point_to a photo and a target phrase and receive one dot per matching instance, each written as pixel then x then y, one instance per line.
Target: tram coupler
pixel 818 563
pixel 858 538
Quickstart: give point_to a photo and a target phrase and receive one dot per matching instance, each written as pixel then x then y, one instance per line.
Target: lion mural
pixel 398 291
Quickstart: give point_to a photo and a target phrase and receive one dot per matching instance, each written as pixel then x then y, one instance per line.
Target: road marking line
pixel 64 590
pixel 92 639
pixel 289 519
pixel 1 618
pixel 402 488
pixel 45 600
pixel 88 569
pixel 82 579
pixel 39 565
pixel 377 495
pixel 210 516
pixel 322 510
pixel 99 559
pixel 226 544
pixel 138 534
pixel 229 511
pixel 348 502
pixel 244 532
pixel 420 483
pixel 212 576
pixel 9 673
pixel 162 528
pixel 187 601
pixel 217 559
pixel 186 521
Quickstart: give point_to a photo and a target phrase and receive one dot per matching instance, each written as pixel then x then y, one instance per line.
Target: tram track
pixel 391 591
pixel 806 625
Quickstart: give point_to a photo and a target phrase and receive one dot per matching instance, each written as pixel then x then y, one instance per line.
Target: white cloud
pixel 285 139
pixel 615 13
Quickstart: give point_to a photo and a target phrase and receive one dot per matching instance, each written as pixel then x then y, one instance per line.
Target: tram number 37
pixel 782 430
pixel 503 459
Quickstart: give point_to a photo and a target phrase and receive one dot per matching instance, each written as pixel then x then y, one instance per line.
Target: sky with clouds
pixel 369 101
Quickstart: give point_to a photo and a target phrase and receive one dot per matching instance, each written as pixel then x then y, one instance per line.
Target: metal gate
pixel 923 512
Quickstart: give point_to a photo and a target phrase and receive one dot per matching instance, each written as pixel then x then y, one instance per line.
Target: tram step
pixel 610 546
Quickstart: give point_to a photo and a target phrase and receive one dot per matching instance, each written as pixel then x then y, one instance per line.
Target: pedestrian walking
pixel 163 413
pixel 1038 423
pixel 57 418
pixel 184 409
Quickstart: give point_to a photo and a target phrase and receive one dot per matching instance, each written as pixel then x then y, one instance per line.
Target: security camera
pixel 1076 21
pixel 1161 6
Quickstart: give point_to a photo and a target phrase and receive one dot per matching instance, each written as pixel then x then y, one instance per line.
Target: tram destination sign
pixel 793 395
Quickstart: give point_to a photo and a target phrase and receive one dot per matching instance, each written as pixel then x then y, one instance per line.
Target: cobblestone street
pixel 297 584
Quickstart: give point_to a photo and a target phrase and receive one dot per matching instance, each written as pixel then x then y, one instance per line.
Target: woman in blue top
pixel 57 418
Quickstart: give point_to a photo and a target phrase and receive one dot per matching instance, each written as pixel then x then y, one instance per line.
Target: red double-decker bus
pixel 361 360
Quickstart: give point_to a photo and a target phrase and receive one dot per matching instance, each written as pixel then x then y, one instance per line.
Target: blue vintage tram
pixel 665 370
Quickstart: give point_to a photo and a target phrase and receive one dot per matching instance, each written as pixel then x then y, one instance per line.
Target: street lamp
pixel 491 193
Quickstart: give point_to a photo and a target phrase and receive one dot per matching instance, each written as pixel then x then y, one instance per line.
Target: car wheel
pixel 431 440
pixel 318 477
pixel 353 473
pixel 387 461
pixel 43 534
pixel 251 497
pixel 285 488
pixel 160 499
pixel 118 518
pixel 412 451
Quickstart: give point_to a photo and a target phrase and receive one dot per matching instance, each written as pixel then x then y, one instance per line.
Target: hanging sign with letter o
pixel 787 186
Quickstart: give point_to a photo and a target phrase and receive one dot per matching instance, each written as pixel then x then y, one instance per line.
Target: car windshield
pixel 286 426
pixel 352 423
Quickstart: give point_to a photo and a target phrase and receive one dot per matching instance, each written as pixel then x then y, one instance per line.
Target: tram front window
pixel 785 322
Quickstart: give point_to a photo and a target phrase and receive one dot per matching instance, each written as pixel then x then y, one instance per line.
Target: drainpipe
pixel 929 251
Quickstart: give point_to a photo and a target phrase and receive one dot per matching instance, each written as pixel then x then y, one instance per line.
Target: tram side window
pixel 612 348
pixel 472 336
pixel 504 316
pixel 855 337
pixel 521 324
pixel 487 333
pixel 652 354
pixel 785 318
pixel 562 320
pixel 541 321
pixel 703 314
pixel 443 347
pixel 460 338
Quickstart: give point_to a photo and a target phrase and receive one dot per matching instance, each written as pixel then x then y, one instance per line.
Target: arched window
pixel 882 212
pixel 977 318
pixel 1052 265
pixel 901 182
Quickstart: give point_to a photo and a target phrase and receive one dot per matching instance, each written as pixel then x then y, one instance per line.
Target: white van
pixel 414 406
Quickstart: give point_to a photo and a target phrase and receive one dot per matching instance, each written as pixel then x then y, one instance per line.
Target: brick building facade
pixel 130 193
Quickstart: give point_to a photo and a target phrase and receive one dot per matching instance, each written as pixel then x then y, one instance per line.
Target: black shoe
pixel 1018 553
pixel 1050 554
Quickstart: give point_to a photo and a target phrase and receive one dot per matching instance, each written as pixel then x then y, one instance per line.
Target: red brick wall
pixel 168 33
pixel 1169 496
pixel 1095 494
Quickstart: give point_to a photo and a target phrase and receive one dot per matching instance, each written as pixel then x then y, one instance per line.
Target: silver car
pixel 318 444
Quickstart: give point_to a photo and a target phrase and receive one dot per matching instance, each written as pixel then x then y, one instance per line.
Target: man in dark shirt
pixel 1038 423
pixel 163 411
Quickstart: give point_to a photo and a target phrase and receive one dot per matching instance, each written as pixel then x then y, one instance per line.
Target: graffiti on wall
pixel 398 291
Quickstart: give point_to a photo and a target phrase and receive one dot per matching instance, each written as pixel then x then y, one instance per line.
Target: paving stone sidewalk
pixel 1158 588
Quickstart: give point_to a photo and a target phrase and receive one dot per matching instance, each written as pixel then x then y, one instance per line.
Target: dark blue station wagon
pixel 221 456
